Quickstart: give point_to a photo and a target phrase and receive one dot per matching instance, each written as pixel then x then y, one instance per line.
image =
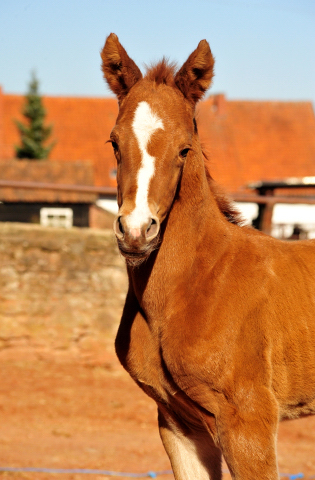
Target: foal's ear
pixel 119 70
pixel 195 76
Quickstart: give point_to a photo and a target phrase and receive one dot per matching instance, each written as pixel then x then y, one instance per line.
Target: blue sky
pixel 264 49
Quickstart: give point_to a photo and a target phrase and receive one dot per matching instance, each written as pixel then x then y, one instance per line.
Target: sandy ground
pixel 63 411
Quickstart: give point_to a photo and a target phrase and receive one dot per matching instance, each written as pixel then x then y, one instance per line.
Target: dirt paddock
pixel 83 412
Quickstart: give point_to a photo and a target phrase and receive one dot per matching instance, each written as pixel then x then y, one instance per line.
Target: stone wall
pixel 60 290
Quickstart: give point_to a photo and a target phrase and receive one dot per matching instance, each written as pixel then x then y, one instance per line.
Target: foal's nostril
pixel 120 226
pixel 150 224
pixel 152 229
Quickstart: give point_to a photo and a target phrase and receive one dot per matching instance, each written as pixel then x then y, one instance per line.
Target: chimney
pixel 219 104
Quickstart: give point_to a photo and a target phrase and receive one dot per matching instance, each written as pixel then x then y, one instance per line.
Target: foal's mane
pixel 225 205
pixel 164 73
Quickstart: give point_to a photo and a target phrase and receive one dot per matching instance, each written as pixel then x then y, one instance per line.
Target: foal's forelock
pixel 145 123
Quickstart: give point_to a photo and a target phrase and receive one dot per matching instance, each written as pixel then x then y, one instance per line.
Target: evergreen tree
pixel 35 133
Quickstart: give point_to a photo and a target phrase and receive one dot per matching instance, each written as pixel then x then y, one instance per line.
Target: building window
pixel 56 217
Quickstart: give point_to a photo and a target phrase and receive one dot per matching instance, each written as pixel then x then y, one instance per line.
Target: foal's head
pixel 153 135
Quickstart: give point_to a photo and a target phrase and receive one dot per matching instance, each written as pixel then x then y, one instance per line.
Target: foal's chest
pixel 138 347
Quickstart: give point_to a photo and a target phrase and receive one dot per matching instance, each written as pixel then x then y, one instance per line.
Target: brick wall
pixel 60 290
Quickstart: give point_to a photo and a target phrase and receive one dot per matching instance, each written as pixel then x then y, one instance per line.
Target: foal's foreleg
pixel 193 454
pixel 248 441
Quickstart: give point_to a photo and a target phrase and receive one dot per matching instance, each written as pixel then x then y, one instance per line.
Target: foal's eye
pixel 115 146
pixel 184 152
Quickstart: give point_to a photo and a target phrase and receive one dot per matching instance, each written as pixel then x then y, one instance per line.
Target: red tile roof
pixel 246 141
pixel 81 127
pixel 249 141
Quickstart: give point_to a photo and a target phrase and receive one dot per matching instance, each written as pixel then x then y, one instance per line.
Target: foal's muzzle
pixel 136 239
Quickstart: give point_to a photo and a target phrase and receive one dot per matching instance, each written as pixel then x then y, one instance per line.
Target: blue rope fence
pixel 150 474
pixel 86 471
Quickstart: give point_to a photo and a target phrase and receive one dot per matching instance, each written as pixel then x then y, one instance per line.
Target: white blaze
pixel 144 124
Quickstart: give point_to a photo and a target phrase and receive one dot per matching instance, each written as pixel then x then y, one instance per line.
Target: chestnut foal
pixel 219 321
